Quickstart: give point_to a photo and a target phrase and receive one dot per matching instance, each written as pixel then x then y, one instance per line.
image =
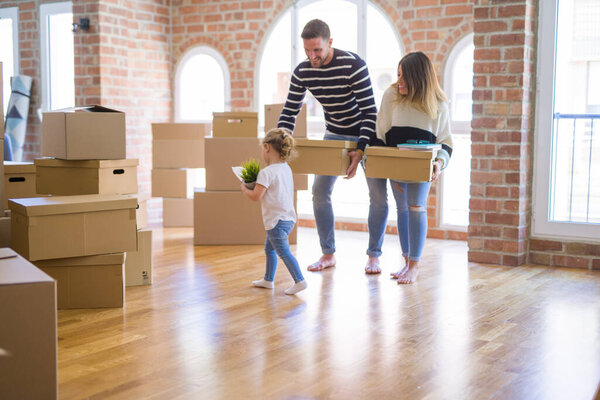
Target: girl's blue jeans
pixel 277 244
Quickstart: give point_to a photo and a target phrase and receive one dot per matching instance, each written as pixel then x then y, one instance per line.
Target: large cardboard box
pixel 224 153
pixel 399 164
pixel 84 133
pixel 28 354
pixel 239 222
pixel 87 282
pixel 322 157
pixel 19 181
pixel 72 226
pixel 272 113
pixel 72 177
pixel 175 183
pixel 235 124
pixel 178 212
pixel 138 264
pixel 178 145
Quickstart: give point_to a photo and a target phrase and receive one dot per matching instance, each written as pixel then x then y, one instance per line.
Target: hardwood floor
pixel 463 331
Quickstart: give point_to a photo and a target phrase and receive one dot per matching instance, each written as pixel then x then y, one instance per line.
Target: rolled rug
pixel 17 113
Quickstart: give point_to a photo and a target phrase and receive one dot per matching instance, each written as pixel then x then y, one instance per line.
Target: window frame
pixel 541 226
pixel 208 51
pixel 463 126
pixel 45 11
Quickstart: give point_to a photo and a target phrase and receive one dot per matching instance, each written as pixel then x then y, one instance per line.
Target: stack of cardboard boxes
pixel 177 159
pixel 80 232
pixel 222 214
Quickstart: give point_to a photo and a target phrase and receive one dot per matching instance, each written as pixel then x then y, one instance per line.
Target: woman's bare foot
pixel 326 261
pixel 402 271
pixel 372 267
pixel 410 276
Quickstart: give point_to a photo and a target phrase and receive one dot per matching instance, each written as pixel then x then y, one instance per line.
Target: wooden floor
pixel 464 331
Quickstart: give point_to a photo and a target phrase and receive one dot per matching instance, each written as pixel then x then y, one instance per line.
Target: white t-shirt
pixel 278 201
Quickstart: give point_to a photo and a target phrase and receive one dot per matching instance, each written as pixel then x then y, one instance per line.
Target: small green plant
pixel 250 170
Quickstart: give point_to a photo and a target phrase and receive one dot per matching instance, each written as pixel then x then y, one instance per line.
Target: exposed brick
pixel 484 257
pixel 570 261
pixel 583 249
pixel 545 245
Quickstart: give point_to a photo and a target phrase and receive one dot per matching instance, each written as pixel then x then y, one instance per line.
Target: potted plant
pixel 250 169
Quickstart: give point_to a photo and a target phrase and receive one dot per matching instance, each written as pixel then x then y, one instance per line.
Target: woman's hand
pixel 437 169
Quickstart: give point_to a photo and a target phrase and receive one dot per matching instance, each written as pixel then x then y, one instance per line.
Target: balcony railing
pixel 575 173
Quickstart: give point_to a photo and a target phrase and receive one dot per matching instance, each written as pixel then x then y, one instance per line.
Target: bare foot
pixel 372 267
pixel 401 271
pixel 326 261
pixel 410 276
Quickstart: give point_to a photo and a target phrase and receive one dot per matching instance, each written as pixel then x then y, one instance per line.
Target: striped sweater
pixel 343 88
pixel 399 123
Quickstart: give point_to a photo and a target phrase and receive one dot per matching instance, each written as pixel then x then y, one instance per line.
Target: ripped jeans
pixel 411 203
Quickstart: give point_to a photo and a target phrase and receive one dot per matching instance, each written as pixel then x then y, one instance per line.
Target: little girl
pixel 275 188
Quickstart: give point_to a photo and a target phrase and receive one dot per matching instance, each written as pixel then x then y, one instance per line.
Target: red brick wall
pixel 502 130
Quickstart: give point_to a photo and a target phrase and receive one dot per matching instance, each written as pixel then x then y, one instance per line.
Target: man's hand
pixel 355 157
pixel 437 169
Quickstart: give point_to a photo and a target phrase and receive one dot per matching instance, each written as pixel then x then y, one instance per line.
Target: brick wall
pixel 502 130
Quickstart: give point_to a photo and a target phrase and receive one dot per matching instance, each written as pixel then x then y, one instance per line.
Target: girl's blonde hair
pixel 424 92
pixel 282 142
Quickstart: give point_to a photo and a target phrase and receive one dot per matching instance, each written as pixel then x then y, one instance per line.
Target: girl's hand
pixel 437 169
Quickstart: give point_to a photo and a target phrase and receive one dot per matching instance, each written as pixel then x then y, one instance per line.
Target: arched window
pixel 356 26
pixel 458 85
pixel 202 86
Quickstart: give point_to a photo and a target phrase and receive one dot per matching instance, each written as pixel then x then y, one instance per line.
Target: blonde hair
pixel 424 92
pixel 282 142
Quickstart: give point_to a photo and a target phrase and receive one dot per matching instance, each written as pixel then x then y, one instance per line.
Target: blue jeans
pixel 277 244
pixel 324 219
pixel 411 203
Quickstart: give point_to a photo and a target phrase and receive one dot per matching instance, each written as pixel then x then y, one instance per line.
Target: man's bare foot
pixel 410 276
pixel 372 267
pixel 326 261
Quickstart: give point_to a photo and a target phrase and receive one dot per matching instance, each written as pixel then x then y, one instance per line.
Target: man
pixel 340 81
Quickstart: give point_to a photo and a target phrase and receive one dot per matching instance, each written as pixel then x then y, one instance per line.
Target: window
pixel 356 26
pixel 202 86
pixel 57 55
pixel 567 132
pixel 455 181
pixel 9 49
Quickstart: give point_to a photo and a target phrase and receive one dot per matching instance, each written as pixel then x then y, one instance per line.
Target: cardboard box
pixel 239 222
pixel 28 354
pixel 272 113
pixel 178 212
pixel 19 181
pixel 399 164
pixel 175 183
pixel 72 226
pixel 141 212
pixel 5 230
pixel 322 157
pixel 177 145
pixel 235 124
pixel 72 177
pixel 87 282
pixel 84 133
pixel 224 153
pixel 138 264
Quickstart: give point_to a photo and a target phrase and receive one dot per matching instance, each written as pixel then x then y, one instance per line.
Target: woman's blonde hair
pixel 282 142
pixel 424 92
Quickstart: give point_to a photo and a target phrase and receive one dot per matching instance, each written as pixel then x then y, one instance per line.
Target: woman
pixel 414 110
